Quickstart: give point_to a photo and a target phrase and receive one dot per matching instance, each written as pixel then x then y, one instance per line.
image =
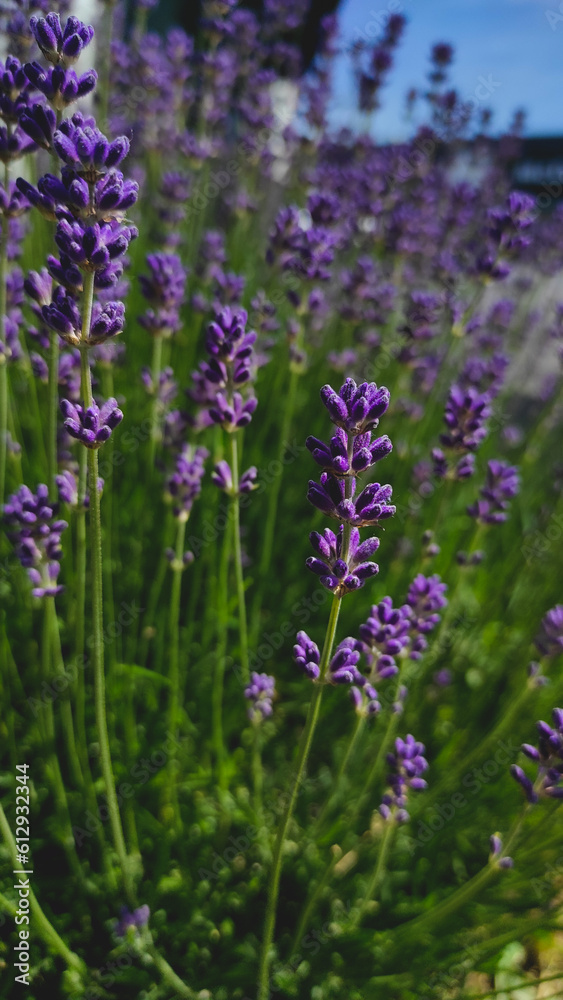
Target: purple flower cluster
pixel 406 765
pixel 550 639
pixel 184 485
pixel 502 484
pixel 467 411
pixel 222 477
pixel 36 534
pixel 548 755
pixel 355 410
pixel 260 693
pixel 92 425
pixel 163 289
pixel 137 919
pixel 222 384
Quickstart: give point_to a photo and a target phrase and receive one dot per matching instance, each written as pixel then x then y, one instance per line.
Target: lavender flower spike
pixel 407 765
pixel 36 534
pixel 548 755
pixel 260 693
pixel 92 426
pixel 306 655
pixel 356 408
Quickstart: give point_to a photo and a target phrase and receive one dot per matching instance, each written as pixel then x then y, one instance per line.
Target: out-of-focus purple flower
pixel 223 479
pixel 260 693
pixel 550 639
pixel 496 856
pixel 36 534
pixel 502 485
pixel 425 598
pixel 385 633
pixel 93 425
pixel 67 485
pixel 184 485
pixel 138 919
pixel 406 765
pixel 306 655
pixel 163 289
pixel 548 755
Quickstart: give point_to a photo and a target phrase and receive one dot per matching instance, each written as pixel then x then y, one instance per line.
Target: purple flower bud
pixel 306 655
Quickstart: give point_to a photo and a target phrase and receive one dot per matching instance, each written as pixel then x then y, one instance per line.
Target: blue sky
pixel 515 46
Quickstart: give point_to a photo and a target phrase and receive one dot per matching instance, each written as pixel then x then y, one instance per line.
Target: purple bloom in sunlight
pixel 356 408
pixel 58 44
pixel 184 485
pixel 425 598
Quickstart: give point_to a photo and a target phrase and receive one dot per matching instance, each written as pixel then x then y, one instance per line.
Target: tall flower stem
pixel 379 871
pixel 3 365
pixel 271 516
pixel 97 609
pixel 335 797
pixel 52 630
pixel 43 926
pixel 156 369
pixel 53 414
pixel 309 909
pixel 173 654
pixel 219 673
pixel 305 746
pixel 79 630
pixel 242 621
pixel 109 608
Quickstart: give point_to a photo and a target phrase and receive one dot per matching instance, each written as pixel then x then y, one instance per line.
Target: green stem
pixel 306 741
pixel 243 628
pixel 335 797
pixel 52 628
pixel 308 911
pixel 43 925
pixel 173 659
pixel 109 610
pixel 380 868
pixel 79 607
pixel 53 414
pixel 155 413
pixel 169 976
pixel 219 673
pixel 258 775
pixel 3 365
pixel 97 610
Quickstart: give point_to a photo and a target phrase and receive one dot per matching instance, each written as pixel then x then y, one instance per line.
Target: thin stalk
pixel 97 611
pixel 309 909
pixel 80 695
pixel 173 658
pixel 335 797
pixel 379 871
pixel 3 365
pixel 243 627
pixel 258 775
pixel 219 673
pixel 169 976
pixel 271 516
pixel 52 628
pixel 305 746
pixel 53 414
pixel 155 414
pixel 43 926
pixel 109 610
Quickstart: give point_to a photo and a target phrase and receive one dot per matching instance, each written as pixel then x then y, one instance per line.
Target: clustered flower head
pixel 550 639
pixel 222 477
pixel 184 485
pixel 355 410
pixel 163 289
pixel 406 765
pixel 36 533
pixel 467 411
pixel 496 856
pixel 135 920
pixel 222 386
pixel 548 755
pixel 91 425
pixel 260 693
pixel 502 484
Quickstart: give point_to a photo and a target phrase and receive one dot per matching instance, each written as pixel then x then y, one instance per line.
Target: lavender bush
pixel 229 778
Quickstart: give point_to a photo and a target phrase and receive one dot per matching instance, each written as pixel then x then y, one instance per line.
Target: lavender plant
pixel 206 820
